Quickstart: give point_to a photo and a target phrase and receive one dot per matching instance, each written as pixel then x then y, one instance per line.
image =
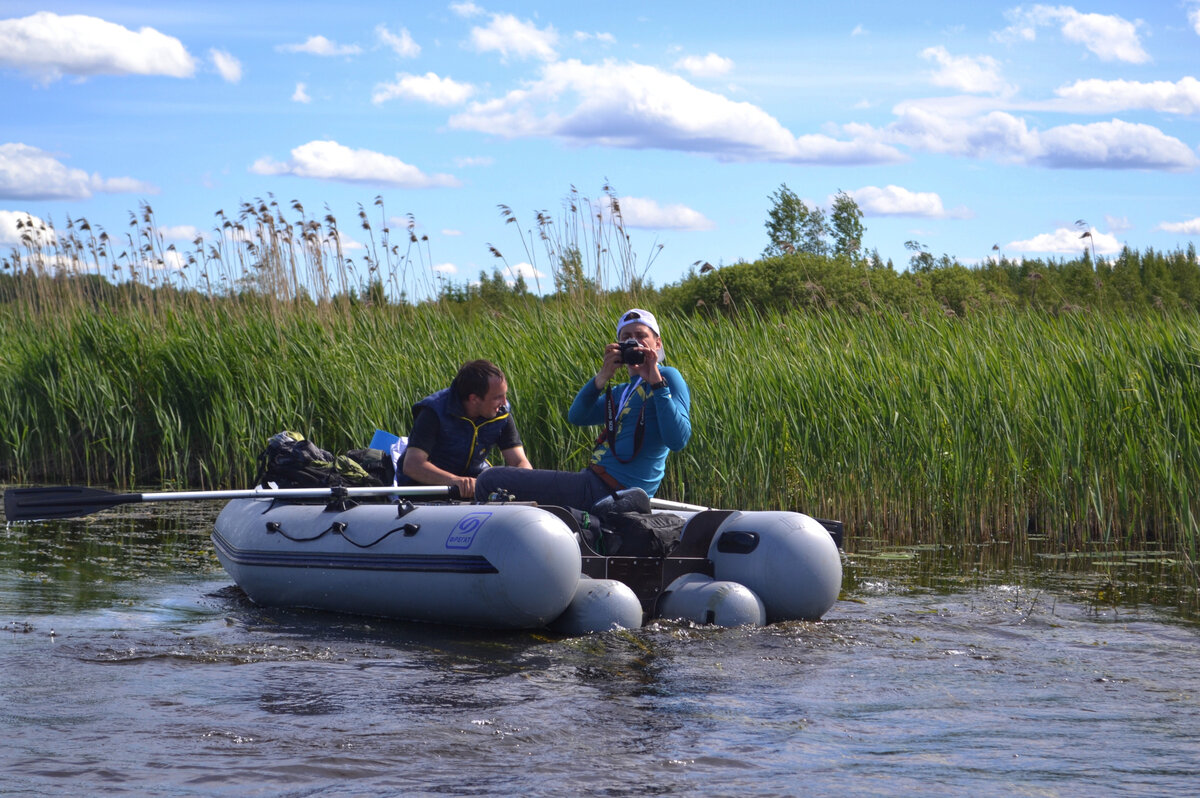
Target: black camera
pixel 631 353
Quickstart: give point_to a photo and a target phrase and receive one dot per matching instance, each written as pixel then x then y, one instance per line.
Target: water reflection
pixel 986 669
pixel 1107 578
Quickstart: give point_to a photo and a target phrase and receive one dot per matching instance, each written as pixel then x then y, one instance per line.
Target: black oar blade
pixel 37 504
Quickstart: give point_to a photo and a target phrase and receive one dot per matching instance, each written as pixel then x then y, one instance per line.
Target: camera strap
pixel 612 414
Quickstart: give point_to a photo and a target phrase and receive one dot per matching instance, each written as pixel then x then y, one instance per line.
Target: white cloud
pixel 526 270
pixel 328 160
pixel 1109 37
pixel 466 9
pixel 10 235
pixel 32 174
pixel 229 68
pixel 300 95
pixel 1108 96
pixel 978 75
pixel 1117 224
pixel 898 201
pixel 49 46
pixel 451 232
pixel 1068 241
pixel 182 232
pixel 401 43
pixel 172 259
pixel 708 66
pixel 446 268
pixel 319 45
pixel 1194 18
pixel 426 88
pixel 648 214
pixel 1189 228
pixel 509 36
pixel 996 134
pixel 603 38
pixel 1113 145
pixel 474 160
pixel 641 107
pixel 859 30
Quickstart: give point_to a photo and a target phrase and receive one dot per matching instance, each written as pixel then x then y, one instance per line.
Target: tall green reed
pixel 1079 427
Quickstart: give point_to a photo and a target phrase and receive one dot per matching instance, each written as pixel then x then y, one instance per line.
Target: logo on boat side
pixel 463 535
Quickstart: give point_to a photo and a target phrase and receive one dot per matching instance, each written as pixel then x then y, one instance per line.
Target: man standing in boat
pixel 454 429
pixel 643 420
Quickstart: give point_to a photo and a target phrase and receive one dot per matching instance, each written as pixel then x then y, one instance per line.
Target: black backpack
pixel 290 461
pixel 631 533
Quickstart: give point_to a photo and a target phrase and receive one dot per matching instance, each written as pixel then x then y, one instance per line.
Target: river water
pixel 130 664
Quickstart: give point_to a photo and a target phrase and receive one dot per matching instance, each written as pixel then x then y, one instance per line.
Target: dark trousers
pixel 578 489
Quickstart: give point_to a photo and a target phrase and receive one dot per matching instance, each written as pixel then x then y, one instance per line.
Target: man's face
pixel 488 406
pixel 640 333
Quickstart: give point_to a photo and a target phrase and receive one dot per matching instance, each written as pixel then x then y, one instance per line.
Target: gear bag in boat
pixel 623 526
pixel 290 461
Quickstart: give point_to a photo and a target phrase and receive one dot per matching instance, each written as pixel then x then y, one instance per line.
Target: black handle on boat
pixel 37 504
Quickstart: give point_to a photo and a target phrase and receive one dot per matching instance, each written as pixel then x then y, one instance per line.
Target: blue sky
pixel 962 126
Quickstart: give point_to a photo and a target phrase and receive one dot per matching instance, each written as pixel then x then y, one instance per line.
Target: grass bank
pixel 1080 426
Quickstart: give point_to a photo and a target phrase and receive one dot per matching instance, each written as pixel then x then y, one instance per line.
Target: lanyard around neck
pixel 612 412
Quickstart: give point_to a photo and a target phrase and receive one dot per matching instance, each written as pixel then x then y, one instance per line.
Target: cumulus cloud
pixel 512 38
pixel 1067 241
pixel 328 160
pixel 641 107
pixel 1109 96
pixel 707 66
pixel 1194 18
pixel 14 224
pixel 319 45
pixel 401 43
pixel 1189 228
pixel 1111 145
pixel 1109 37
pixel 446 268
pixel 228 67
pixel 32 174
pixel 427 88
pixel 49 46
pixel 474 160
pixel 526 270
pixel 898 201
pixel 300 95
pixel 977 75
pixel 648 214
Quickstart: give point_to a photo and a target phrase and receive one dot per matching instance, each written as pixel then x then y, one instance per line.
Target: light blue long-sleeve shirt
pixel 668 427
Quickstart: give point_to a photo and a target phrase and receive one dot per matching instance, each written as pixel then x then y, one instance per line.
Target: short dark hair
pixel 474 377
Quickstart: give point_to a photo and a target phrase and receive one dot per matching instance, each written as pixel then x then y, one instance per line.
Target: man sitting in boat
pixel 643 419
pixel 455 428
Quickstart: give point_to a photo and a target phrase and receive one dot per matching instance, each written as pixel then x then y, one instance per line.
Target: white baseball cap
pixel 637 316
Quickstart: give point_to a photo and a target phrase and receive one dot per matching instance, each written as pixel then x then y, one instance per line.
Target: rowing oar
pixel 36 504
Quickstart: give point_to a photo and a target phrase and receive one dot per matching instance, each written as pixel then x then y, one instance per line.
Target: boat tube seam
pixel 420 563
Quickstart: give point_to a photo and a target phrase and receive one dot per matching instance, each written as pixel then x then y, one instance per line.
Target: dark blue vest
pixel 462 442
